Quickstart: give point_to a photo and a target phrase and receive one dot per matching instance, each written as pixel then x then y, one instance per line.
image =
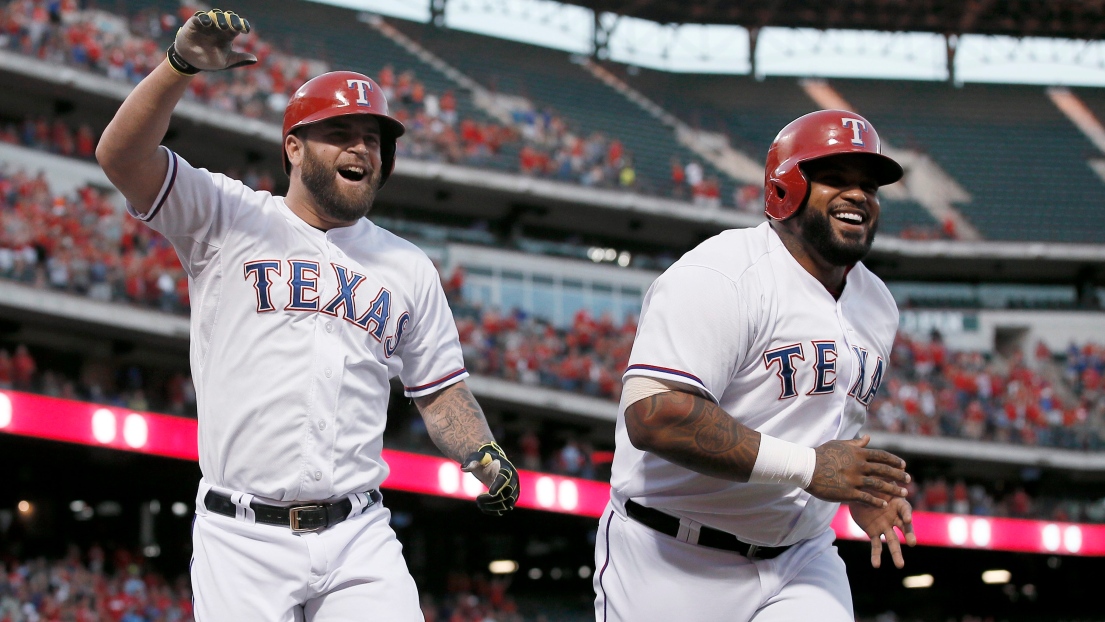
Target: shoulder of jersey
pixel 731 252
pixel 390 242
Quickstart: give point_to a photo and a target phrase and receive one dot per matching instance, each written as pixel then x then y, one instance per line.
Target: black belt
pixel 300 518
pixel 707 536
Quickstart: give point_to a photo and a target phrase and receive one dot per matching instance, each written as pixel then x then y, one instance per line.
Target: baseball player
pixel 756 356
pixel 302 311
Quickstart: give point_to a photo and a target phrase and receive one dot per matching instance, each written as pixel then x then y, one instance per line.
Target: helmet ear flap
pixel 785 191
pixel 387 160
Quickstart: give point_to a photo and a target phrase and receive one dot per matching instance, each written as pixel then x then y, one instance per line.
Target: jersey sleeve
pixel 431 352
pixel 694 330
pixel 194 210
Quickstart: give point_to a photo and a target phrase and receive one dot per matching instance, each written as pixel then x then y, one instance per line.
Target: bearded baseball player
pixel 302 311
pixel 756 357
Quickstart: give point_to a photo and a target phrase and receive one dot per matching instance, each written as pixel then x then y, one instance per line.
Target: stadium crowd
pixel 933 391
pixel 95 586
pixel 995 498
pixel 82 244
pixel 90 588
pixel 54 136
pixel 127 49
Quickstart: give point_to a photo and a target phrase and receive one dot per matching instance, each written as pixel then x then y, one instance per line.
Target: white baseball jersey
pixel 295 334
pixel 742 322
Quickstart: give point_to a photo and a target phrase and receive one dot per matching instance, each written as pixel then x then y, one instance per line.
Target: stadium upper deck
pixel 1008 148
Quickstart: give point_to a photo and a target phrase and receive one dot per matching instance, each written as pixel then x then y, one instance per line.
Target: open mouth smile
pixel 352 173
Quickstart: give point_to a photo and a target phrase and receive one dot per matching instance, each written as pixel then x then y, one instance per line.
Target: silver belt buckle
pixel 293 519
pixel 752 548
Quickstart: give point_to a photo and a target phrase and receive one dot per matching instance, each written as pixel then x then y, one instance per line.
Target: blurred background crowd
pixel 539 143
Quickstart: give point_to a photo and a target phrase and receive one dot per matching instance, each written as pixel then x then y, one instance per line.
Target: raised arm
pixel 457 426
pixel 697 434
pixel 128 150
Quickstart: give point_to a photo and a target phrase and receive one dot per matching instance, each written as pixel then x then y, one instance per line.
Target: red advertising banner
pixel 69 421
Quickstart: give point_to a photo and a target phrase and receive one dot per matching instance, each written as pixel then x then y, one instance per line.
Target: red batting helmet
pixel 340 93
pixel 817 135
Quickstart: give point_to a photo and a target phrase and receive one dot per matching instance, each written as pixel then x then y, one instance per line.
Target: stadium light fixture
pixel 25 507
pixel 180 508
pixel 534 573
pixel 996 577
pixel 584 572
pixel 503 566
pixel 918 581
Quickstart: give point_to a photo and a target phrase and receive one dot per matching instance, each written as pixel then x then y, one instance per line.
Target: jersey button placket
pixel 330 357
pixel 845 364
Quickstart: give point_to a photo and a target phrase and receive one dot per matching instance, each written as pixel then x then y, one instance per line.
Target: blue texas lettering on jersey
pixel 302 278
pixel 824 368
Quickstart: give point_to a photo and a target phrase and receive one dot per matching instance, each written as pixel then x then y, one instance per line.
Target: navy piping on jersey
pixel 173 167
pixel 430 385
pixel 666 370
pixel 605 565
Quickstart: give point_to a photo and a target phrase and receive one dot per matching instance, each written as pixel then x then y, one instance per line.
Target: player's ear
pixel 293 148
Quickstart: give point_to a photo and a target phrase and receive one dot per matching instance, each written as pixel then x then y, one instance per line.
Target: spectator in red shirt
pixel 23 368
pixel 86 142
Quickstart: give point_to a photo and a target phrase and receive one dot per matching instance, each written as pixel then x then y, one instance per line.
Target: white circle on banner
pixel 980 532
pixel 1051 537
pixel 957 530
pixel 568 495
pixel 103 425
pixel 1072 538
pixel 546 492
pixel 448 478
pixel 5 410
pixel 135 431
pixel 472 486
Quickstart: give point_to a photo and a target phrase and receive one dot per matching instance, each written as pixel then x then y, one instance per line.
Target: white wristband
pixel 780 462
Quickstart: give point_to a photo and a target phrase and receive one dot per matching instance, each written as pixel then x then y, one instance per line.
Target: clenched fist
pixel 204 43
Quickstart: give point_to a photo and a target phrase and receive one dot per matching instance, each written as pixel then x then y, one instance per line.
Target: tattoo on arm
pixel 694 433
pixel 454 420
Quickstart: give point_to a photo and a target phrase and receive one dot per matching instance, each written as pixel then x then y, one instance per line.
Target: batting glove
pixel 204 43
pixel 490 463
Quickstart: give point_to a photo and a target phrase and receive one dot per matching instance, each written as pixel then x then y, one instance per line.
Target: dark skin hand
pixel 879 524
pixel 696 434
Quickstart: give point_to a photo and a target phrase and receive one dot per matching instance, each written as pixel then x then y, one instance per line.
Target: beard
pixel 838 250
pixel 338 203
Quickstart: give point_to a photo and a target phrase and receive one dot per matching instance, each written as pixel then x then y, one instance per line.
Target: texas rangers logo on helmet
pixel 362 87
pixel 858 127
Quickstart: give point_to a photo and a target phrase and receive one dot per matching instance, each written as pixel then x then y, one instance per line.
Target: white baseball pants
pixel 642 575
pixel 245 571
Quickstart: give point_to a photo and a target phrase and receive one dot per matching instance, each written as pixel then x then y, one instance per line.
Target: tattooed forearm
pixel 454 420
pixel 694 433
